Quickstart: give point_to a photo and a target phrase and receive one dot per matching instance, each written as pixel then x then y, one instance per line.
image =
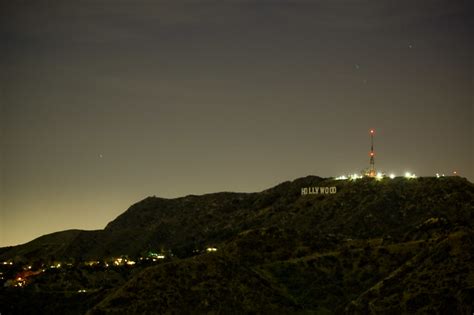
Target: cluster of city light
pixel 351 177
pixel 123 261
pixel 211 249
pixel 378 176
pixel 19 282
pixel 154 256
pixel 22 278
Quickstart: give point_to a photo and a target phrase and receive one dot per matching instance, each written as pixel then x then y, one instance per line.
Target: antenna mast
pixel 372 172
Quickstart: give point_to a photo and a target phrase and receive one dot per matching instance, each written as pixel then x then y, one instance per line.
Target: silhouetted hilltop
pixel 364 208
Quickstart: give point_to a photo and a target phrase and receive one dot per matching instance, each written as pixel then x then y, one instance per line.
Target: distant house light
pixel 211 249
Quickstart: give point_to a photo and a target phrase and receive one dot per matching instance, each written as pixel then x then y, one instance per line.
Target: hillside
pixel 390 246
pixel 365 208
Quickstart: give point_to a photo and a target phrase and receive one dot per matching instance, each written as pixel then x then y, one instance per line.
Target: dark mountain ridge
pixel 359 209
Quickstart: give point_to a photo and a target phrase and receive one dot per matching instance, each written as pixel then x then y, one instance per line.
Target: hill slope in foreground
pixel 390 246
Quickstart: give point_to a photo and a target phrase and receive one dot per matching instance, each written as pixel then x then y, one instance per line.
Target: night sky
pixel 104 103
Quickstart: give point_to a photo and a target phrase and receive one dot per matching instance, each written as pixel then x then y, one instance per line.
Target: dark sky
pixel 106 102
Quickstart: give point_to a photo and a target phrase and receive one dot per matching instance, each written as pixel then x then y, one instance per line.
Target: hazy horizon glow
pixel 105 103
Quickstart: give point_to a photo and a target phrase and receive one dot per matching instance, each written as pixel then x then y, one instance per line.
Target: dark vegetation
pixel 381 247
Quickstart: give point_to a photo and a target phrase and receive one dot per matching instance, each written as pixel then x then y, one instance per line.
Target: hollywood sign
pixel 318 190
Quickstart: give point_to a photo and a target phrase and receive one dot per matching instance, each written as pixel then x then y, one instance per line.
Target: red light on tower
pixel 372 131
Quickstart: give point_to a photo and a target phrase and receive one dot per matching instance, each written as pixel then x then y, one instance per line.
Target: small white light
pixel 354 176
pixel 392 176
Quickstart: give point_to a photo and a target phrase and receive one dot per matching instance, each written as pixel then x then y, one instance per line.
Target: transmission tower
pixel 372 172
